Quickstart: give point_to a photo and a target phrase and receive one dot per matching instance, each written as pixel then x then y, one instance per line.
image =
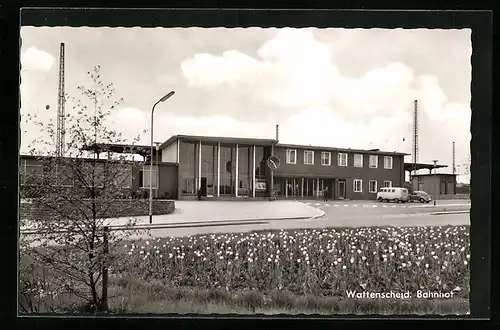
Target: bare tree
pixel 73 197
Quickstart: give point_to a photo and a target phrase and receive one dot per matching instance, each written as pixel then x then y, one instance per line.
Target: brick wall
pixel 119 208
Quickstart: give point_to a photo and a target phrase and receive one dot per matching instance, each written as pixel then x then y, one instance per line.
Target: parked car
pixel 420 196
pixel 393 194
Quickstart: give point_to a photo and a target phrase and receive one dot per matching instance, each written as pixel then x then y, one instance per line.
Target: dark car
pixel 420 196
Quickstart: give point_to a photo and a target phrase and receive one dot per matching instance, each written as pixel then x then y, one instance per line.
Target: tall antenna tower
pixel 415 137
pixel 60 106
pixel 454 168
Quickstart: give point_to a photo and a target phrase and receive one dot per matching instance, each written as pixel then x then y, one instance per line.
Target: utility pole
pixel 454 168
pixel 60 106
pixel 415 141
pixel 438 183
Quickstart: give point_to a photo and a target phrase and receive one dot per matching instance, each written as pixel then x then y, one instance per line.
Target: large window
pixel 372 186
pixel 227 169
pixel 357 185
pixel 310 187
pixel 291 156
pixel 188 167
pixel 209 169
pixel 387 184
pixel 145 177
pixel 373 161
pixel 358 160
pixel 342 159
pixel 245 163
pixel 388 162
pixel 326 158
pixel 308 157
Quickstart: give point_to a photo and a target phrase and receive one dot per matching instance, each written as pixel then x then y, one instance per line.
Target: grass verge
pixel 132 296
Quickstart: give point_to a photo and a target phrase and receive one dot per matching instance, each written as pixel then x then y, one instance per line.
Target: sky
pixel 348 88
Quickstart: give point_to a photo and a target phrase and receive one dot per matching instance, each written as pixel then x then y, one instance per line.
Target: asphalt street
pixel 347 214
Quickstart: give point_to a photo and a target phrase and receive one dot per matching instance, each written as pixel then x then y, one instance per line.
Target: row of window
pixel 372 185
pixel 326 159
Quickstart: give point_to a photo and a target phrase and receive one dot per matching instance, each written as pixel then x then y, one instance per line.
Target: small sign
pixel 261 185
pixel 273 162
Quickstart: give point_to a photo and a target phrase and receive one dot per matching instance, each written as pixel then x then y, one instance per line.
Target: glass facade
pixel 188 167
pixel 227 169
pixel 245 163
pixel 208 170
pixel 232 181
pixel 308 188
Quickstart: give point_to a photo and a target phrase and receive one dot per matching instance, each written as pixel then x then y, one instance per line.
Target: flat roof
pixel 269 142
pixel 119 148
pixel 371 151
pixel 435 174
pixel 222 139
pixel 422 166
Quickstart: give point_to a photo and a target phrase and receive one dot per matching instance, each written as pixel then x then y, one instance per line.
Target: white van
pixel 393 194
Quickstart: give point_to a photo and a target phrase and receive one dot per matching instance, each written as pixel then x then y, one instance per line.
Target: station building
pixel 225 167
pixel 230 167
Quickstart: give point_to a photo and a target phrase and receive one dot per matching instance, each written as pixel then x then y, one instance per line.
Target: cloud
pixel 36 60
pixel 296 74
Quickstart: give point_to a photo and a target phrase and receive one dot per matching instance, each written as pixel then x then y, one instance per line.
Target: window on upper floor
pixel 388 162
pixel 326 158
pixel 308 157
pixel 373 161
pixel 358 160
pixel 291 156
pixel 342 159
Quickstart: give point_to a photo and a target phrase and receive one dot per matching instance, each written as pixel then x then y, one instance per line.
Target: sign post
pixel 273 163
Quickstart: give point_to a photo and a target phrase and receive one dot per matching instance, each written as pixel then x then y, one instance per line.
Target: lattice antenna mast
pixel 415 137
pixel 454 168
pixel 60 106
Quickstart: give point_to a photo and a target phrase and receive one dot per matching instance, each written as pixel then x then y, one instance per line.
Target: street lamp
pixel 157 145
pixel 435 193
pixel 163 99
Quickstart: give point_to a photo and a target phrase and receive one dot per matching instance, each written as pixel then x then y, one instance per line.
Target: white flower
pixel 344 267
pixel 465 262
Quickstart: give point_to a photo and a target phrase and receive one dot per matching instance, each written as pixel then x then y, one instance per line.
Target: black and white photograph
pixel 245 171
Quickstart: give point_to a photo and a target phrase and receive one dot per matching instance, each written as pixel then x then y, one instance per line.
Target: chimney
pixel 277 133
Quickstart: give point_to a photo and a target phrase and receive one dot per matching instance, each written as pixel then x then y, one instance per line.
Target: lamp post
pixel 435 193
pixel 157 145
pixel 163 99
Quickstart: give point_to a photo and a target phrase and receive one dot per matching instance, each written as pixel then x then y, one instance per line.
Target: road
pixel 348 214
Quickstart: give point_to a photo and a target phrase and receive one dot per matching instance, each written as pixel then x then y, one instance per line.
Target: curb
pixel 450 212
pixel 321 215
pixel 198 224
pixel 216 223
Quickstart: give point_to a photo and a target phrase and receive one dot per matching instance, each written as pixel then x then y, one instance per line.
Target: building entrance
pixel 342 189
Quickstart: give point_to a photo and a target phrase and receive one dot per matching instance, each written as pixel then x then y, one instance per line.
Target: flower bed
pixel 311 261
